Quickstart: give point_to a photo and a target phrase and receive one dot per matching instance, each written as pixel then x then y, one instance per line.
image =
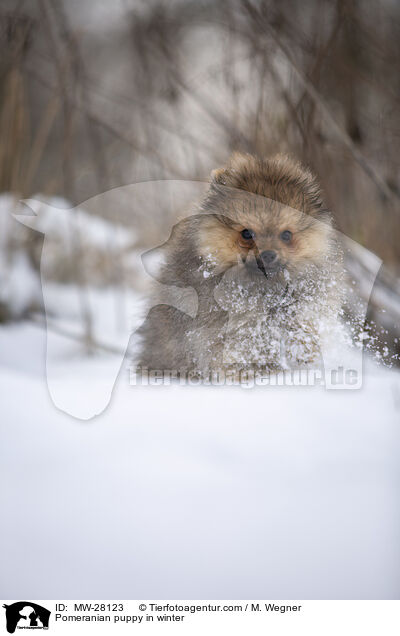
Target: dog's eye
pixel 248 235
pixel 286 236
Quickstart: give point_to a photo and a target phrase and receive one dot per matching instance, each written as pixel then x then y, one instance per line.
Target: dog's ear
pixel 30 220
pixel 154 262
pixel 160 262
pixel 218 175
pixel 237 164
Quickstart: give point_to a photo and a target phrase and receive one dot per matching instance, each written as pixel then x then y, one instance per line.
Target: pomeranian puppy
pixel 263 259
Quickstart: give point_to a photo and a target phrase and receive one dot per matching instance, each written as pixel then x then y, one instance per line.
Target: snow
pixel 101 244
pixel 56 218
pixel 195 492
pixel 19 285
pixel 179 491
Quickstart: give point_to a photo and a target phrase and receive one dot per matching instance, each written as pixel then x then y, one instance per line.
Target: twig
pixel 320 103
pixel 49 324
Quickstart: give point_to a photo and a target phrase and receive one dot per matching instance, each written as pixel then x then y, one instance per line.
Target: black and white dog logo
pixel 26 615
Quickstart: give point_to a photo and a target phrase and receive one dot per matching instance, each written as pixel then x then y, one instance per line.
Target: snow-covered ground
pixel 196 492
pixel 177 491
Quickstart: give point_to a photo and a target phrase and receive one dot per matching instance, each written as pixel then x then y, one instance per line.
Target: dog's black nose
pixel 269 257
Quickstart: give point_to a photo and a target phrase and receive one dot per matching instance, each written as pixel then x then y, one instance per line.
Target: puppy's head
pixel 266 216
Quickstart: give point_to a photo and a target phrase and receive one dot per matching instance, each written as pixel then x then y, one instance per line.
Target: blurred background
pixel 96 95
